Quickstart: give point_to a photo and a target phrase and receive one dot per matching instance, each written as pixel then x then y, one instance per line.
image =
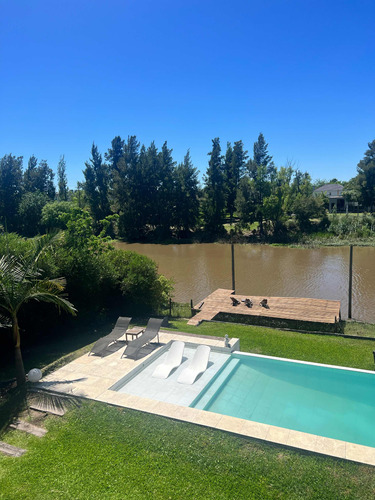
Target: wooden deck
pixel 283 308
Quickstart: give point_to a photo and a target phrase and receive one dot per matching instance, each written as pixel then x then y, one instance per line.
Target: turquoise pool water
pixel 320 400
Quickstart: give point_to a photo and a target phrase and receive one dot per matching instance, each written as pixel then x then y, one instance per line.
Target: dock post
pixel 350 282
pixel 233 277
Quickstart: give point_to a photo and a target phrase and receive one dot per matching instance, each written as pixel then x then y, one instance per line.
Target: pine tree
pixel 115 153
pixel 39 178
pixel 261 156
pixel 234 169
pixel 10 190
pixel 165 190
pixel 186 196
pixel 214 201
pixel 96 185
pixel 366 177
pixel 29 174
pixel 62 180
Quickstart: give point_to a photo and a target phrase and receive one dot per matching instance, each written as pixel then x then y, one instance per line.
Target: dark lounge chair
pixel 235 302
pixel 248 303
pixel 119 330
pixel 264 303
pixel 151 331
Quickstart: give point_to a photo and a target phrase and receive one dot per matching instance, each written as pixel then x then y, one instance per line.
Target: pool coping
pixel 101 392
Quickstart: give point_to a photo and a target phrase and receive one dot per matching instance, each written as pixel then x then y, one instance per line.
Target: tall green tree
pixel 214 191
pixel 246 201
pixel 62 180
pixel 366 177
pixel 186 196
pixel 234 170
pixel 22 281
pixel 127 190
pixel 10 190
pixel 39 178
pixel 165 190
pixel 29 174
pixel 115 153
pixel 97 185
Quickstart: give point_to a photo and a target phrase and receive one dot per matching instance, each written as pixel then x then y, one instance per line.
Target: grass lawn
pixel 100 452
pixel 308 347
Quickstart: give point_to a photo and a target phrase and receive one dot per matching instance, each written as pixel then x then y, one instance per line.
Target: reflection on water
pixel 199 269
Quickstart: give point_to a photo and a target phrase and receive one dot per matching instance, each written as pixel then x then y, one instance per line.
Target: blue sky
pixel 300 71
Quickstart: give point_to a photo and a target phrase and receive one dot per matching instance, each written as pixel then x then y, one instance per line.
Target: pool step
pixel 204 398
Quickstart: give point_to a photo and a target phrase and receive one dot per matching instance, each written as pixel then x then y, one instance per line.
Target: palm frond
pixel 57 300
pixel 51 401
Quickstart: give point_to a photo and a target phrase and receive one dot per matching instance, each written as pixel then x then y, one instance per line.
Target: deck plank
pixel 292 308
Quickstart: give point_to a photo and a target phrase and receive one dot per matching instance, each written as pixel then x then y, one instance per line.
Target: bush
pixel 136 277
pixel 352 225
pixel 53 214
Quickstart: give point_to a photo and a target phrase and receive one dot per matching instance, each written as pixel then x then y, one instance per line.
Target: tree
pixel 366 177
pixel 62 180
pixel 234 169
pixel 246 201
pixel 165 190
pixel 306 208
pixel 127 190
pixel 97 185
pixel 30 172
pixel 39 178
pixel 30 212
pixel 53 214
pixel 115 153
pixel 10 190
pixel 21 281
pixel 186 195
pixel 261 158
pixel 214 200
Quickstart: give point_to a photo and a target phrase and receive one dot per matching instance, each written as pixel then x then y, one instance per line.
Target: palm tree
pixel 21 281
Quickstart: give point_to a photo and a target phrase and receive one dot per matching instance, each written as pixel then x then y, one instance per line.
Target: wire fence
pixel 177 310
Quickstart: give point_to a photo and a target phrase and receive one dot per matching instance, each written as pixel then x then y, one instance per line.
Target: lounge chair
pixel 151 331
pixel 119 330
pixel 235 302
pixel 173 360
pixel 264 303
pixel 196 366
pixel 248 303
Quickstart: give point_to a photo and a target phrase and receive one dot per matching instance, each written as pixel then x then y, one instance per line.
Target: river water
pixel 199 269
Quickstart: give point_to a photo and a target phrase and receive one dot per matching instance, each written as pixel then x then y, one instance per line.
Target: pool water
pixel 327 401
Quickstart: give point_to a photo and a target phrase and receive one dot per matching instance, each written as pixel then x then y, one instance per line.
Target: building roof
pixel 328 187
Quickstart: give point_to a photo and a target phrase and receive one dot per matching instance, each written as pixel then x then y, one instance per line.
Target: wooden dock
pixel 279 308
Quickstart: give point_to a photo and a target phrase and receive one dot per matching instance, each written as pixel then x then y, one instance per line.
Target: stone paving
pixel 92 376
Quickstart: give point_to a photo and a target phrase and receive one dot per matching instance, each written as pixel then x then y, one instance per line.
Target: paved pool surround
pixel 94 378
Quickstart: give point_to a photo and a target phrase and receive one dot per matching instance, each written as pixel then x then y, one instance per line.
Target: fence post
pixel 350 282
pixel 191 307
pixel 170 307
pixel 233 277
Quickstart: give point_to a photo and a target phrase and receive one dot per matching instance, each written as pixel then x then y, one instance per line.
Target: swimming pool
pixel 317 399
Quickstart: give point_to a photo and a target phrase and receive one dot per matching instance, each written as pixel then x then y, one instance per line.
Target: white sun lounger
pixel 196 366
pixel 173 360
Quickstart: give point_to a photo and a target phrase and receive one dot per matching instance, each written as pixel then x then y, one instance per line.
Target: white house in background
pixel 334 195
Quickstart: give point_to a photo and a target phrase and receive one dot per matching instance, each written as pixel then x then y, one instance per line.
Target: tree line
pixel 155 197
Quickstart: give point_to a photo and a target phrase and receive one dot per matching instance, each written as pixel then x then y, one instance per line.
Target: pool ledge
pixel 91 377
pixel 246 428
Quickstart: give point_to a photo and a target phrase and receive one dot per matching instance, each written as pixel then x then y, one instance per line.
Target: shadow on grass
pixel 12 403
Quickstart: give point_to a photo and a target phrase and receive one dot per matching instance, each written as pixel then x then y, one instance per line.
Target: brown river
pixel 199 269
